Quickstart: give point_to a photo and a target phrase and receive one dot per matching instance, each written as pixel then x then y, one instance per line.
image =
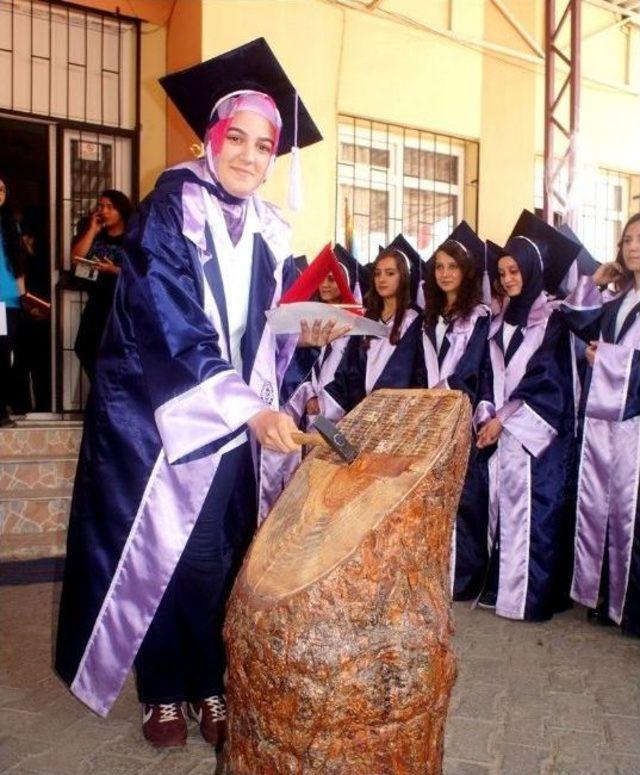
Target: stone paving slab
pixel 557 698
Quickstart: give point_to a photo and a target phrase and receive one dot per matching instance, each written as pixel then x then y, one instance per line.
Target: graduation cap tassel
pixel 486 288
pixel 357 292
pixel 486 281
pixel 295 174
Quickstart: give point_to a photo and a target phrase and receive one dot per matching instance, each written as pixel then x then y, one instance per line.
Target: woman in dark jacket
pixel 101 241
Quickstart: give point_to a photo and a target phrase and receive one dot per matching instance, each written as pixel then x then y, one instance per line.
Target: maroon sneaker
pixel 164 726
pixel 211 714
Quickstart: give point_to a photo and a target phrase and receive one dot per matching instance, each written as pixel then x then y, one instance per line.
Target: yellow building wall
pixel 345 61
pixel 508 122
pixel 153 106
pixel 184 48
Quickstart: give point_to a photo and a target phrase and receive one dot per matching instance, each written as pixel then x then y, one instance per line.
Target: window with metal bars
pixel 606 202
pixel 395 179
pixel 68 63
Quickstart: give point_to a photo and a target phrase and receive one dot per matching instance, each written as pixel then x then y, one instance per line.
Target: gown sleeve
pixel 541 406
pixel 485 409
pixel 614 389
pixel 197 396
pixel 347 388
pixel 582 309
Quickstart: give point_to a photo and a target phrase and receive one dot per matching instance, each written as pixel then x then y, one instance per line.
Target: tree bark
pixel 338 627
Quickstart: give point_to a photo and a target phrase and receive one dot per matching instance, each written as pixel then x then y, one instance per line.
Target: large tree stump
pixel 338 625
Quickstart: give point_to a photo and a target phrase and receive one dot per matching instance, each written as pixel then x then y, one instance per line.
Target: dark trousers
pixel 32 366
pixel 182 656
pixel 7 346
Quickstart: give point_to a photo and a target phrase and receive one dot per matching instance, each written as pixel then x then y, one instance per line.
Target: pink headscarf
pixel 223 113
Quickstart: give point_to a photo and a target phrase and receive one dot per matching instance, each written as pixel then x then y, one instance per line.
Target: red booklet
pixel 35 306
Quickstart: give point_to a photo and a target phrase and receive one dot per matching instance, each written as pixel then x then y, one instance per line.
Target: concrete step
pixel 43 440
pixel 33 472
pixel 33 522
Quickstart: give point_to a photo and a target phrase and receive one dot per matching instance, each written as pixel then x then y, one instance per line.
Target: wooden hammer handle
pixel 313 439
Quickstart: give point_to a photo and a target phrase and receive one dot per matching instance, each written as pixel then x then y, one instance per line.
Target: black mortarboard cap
pixel 197 89
pixel 350 264
pixel 587 264
pixel 366 278
pixel 557 251
pixel 300 263
pixel 494 252
pixel 466 236
pixel 415 262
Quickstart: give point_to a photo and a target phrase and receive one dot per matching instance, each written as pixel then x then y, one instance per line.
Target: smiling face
pixel 448 273
pixel 510 276
pixel 245 154
pixel 386 277
pixel 329 291
pixel 631 247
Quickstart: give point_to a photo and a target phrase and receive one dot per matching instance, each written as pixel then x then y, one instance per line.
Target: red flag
pixel 311 279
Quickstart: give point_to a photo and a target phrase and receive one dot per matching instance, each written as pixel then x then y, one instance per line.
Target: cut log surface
pixel 338 627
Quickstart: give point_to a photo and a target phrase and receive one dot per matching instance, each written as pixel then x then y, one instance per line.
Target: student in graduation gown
pixel 454 343
pixel 606 572
pixel 186 391
pixel 416 270
pixel 525 419
pixel 303 404
pixel 371 363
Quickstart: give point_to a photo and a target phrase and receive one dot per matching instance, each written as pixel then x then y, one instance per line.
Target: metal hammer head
pixel 335 439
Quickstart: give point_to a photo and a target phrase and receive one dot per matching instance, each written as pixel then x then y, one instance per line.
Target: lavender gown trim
pixel 610 381
pixel 208 412
pixel 608 479
pixel 459 336
pixel 509 467
pixel 166 515
pixel 380 350
pixel 607 500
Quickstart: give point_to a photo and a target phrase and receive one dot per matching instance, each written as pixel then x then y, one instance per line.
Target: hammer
pixel 328 436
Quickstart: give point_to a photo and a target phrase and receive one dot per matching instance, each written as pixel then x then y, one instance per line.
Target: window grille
pixel 63 62
pixel 606 204
pixel 394 179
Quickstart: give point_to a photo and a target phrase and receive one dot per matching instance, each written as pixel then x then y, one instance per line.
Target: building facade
pixel 431 112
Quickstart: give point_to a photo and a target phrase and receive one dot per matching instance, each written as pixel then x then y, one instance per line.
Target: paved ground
pixel 560 697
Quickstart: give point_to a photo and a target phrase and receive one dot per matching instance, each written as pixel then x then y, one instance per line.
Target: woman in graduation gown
pixel 606 573
pixel 303 404
pixel 525 420
pixel 369 363
pixel 170 473
pixel 454 343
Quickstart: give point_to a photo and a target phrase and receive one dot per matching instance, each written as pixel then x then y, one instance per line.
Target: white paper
pixel 286 319
pixel 85 272
pixel 3 319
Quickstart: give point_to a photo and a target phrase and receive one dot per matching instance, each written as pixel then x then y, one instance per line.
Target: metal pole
pixel 549 99
pixel 556 109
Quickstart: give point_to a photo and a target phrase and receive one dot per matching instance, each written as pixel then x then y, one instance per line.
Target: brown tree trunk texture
pixel 338 627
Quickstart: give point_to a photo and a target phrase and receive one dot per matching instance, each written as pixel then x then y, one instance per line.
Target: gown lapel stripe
pixel 169 508
pixel 213 277
pixel 628 322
